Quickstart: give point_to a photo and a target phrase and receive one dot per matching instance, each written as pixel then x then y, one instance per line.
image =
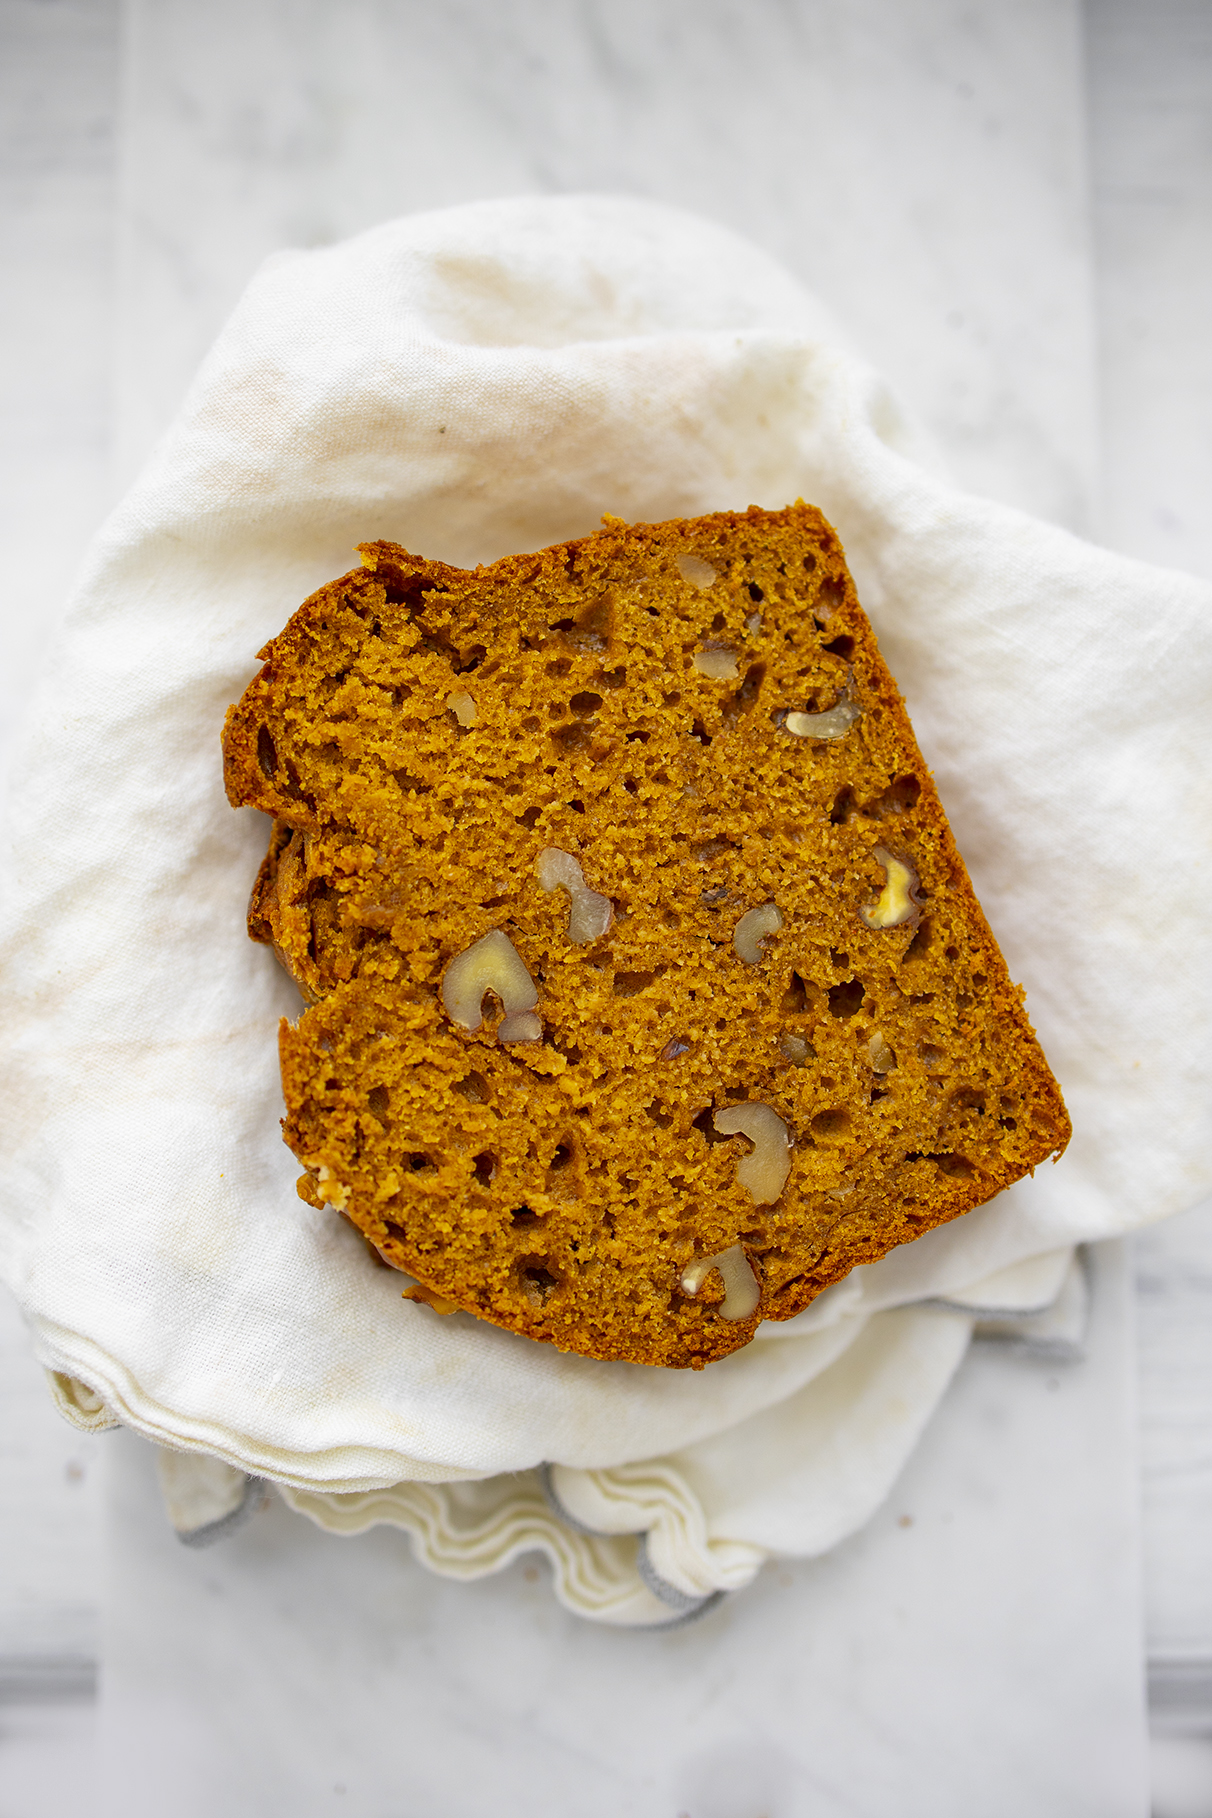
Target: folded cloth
pixel 659 1542
pixel 473 382
pixel 206 1499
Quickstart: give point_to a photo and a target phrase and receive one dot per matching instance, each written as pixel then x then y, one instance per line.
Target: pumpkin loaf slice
pixel 647 992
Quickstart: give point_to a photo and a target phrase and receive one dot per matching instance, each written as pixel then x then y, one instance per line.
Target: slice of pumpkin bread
pixel 647 991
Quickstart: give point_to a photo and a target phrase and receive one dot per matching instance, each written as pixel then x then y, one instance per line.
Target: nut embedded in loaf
pixel 647 993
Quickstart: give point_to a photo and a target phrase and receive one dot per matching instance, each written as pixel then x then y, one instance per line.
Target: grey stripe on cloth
pixel 256 1490
pixel 1047 1350
pixel 684 1621
pixel 557 1507
pixel 1180 1694
pixel 1055 1333
pixel 1014 1330
pixel 686 1608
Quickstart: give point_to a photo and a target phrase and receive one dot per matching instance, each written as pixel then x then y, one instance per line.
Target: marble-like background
pixel 1006 202
pixel 920 165
pixel 969 1652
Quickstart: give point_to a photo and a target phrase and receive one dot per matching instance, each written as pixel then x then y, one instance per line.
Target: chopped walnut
pixel 591 913
pixel 897 902
pixel 763 1172
pixel 717 664
pixel 429 1297
pixel 834 723
pixel 741 1290
pixel 753 930
pixel 493 964
pixel 700 574
pixel 330 1189
pixel 883 1060
pixel 463 708
pixel 558 870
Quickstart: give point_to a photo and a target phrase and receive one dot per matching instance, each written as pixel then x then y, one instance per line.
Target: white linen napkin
pixel 469 383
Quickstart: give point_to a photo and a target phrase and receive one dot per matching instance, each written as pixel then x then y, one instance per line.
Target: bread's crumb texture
pixel 697 715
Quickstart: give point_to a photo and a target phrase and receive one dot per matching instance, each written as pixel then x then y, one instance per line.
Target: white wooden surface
pixel 988 329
